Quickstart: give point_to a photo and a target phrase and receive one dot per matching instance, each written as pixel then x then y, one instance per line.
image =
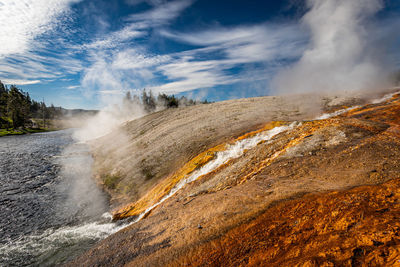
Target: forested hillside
pixel 18 110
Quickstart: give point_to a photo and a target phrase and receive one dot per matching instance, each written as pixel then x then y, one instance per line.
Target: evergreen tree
pixel 172 102
pixel 168 101
pixel 148 101
pixel 16 107
pixel 3 100
pixel 136 100
pixel 128 96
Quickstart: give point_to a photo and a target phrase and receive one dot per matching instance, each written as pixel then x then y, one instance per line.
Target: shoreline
pixel 5 132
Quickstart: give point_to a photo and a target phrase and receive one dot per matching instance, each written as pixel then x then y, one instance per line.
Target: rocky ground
pixel 324 192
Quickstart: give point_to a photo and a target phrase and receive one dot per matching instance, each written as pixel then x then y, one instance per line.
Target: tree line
pixel 17 109
pixel 150 102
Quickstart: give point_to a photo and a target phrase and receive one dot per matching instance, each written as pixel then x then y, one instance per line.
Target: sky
pixel 89 53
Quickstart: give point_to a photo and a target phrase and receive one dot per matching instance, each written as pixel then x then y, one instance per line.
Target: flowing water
pixel 51 209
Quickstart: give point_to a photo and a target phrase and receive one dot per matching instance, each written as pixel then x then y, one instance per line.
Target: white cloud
pixel 20 82
pixel 32 65
pixel 189 75
pixel 23 20
pixel 188 70
pixel 217 36
pixel 100 76
pixel 249 43
pixel 111 92
pixel 132 59
pixel 162 13
pixel 123 68
pixel 27 54
pixel 114 74
pixel 230 47
pixel 114 62
pixel 115 39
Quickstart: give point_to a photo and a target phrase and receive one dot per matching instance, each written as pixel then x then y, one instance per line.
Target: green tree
pixel 168 101
pixel 148 101
pixel 128 96
pixel 35 109
pixel 3 100
pixel 16 106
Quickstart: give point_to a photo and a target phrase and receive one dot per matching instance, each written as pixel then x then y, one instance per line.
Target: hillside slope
pixel 322 191
pixel 130 161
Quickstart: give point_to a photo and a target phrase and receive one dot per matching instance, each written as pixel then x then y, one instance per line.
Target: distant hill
pixel 77 112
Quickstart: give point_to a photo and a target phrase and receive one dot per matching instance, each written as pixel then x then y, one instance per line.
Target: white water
pixel 55 210
pixel 341 111
pixel 334 114
pixel 384 98
pixel 53 239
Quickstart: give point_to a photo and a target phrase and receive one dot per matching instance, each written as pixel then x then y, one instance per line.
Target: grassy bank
pixel 5 132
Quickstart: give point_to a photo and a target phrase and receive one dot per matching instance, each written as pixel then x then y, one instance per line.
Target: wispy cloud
pixel 231 47
pixel 249 43
pixel 162 13
pixel 126 67
pixel 33 65
pixel 25 55
pixel 23 20
pixel 133 59
pixel 72 87
pixel 41 44
pixel 20 82
pixel 113 61
pixel 114 39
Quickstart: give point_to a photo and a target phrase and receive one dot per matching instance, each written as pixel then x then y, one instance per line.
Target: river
pixel 51 209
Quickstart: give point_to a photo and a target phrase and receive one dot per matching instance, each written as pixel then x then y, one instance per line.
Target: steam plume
pixel 343 54
pixel 107 120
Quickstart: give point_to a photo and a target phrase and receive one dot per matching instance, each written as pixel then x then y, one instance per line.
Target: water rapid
pixel 51 208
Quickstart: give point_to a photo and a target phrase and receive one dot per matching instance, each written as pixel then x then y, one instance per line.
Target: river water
pixel 50 207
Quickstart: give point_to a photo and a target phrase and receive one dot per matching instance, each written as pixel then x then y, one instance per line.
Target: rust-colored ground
pixel 348 228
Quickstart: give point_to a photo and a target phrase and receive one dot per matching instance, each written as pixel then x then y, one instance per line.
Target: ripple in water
pixel 51 208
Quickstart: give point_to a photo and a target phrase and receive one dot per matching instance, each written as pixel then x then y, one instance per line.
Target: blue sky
pixel 87 54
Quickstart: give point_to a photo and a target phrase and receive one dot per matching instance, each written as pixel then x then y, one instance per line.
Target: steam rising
pixel 83 197
pixel 107 120
pixel 343 54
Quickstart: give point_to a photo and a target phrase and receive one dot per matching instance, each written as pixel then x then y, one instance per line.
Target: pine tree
pixel 15 107
pixel 128 96
pixel 148 101
pixel 3 100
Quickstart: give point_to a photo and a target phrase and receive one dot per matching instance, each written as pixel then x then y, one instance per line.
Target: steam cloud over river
pixel 51 208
